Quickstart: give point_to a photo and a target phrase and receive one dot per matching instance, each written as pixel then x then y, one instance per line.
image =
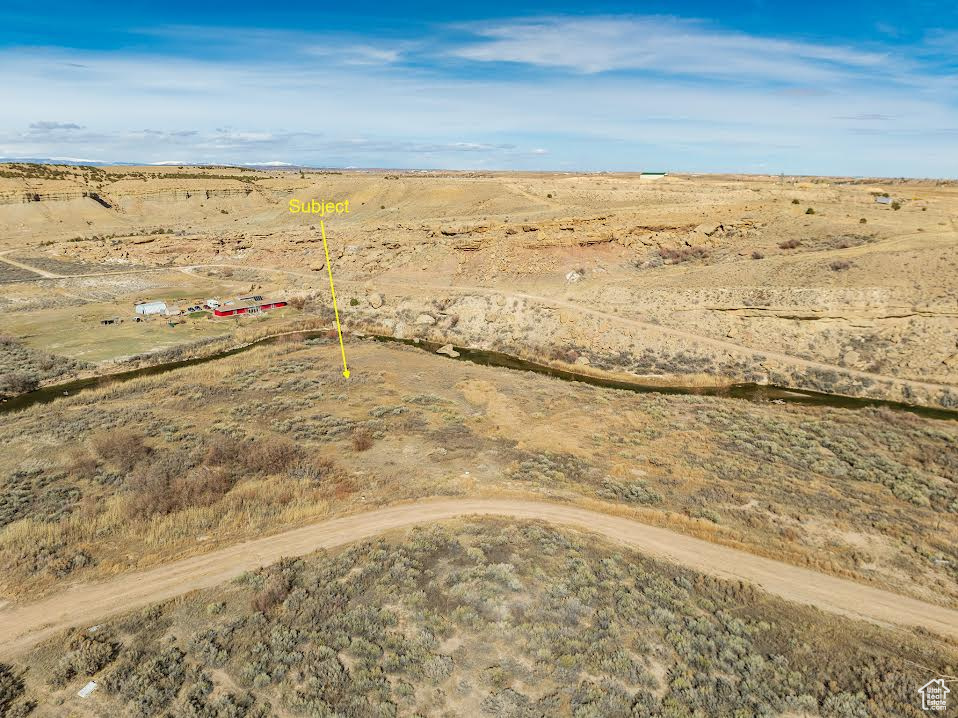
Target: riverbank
pixel 596 377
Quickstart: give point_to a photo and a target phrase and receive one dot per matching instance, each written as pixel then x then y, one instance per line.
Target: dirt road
pixel 658 330
pixel 43 274
pixel 23 626
pixel 553 302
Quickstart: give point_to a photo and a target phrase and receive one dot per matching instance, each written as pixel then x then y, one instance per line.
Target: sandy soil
pixel 23 626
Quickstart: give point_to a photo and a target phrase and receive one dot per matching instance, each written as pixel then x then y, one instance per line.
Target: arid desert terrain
pixel 692 449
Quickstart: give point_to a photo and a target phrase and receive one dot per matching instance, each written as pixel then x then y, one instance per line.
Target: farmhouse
pixel 253 306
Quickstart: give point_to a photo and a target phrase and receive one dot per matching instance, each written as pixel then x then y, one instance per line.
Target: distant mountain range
pixel 166 163
pixel 275 165
pixel 59 161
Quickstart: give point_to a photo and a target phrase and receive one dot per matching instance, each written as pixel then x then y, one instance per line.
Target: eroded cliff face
pixel 726 277
pixel 603 344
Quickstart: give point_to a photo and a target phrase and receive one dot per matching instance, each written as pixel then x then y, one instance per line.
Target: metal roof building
pixel 240 308
pixel 154 307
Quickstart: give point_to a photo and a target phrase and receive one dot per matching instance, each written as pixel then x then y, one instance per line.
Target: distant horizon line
pixel 291 167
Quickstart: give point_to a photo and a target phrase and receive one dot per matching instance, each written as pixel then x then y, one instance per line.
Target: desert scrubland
pixel 685 281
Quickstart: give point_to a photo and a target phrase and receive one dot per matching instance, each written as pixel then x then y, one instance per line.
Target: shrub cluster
pixel 87 654
pixel 634 492
pixel 123 448
pixel 36 494
pixel 12 690
pixel 361 439
pixel 22 368
pixel 683 254
pixel 179 478
pixel 546 623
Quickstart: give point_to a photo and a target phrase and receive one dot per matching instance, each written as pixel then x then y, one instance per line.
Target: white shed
pixel 150 308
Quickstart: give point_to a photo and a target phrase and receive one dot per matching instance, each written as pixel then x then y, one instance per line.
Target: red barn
pixel 243 308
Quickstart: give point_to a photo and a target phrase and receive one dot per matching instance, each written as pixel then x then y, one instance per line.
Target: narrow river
pixel 747 391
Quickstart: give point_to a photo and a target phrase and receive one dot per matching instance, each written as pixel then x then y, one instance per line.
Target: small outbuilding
pixel 152 307
pixel 882 199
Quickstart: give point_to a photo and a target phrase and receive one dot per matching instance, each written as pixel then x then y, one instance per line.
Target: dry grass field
pixel 691 281
pixel 143 471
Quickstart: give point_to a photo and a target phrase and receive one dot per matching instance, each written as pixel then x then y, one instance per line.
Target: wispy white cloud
pixel 376 146
pixel 599 93
pixel 666 45
pixel 355 54
pixel 332 48
pixel 867 117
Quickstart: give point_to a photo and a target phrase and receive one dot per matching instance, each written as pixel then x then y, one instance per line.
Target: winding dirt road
pixel 554 302
pixel 23 626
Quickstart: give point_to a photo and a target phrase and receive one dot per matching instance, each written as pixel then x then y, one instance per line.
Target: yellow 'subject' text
pixel 323 208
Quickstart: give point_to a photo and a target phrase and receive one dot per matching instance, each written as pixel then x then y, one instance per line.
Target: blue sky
pixel 818 88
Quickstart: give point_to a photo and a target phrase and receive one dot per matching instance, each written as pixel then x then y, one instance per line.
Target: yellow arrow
pixel 332 290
